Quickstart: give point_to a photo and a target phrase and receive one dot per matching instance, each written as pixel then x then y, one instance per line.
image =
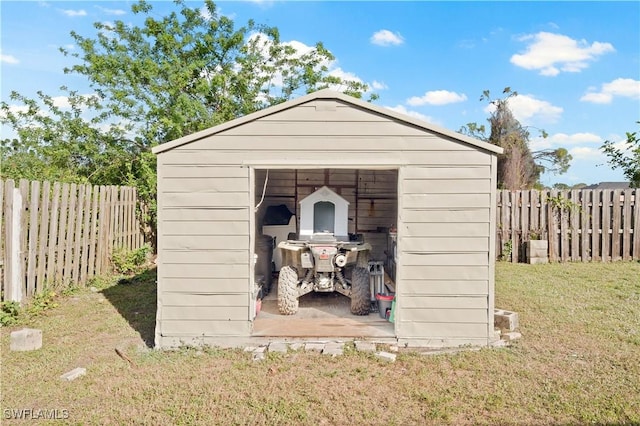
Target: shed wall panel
pixel 445 315
pixel 205 285
pixel 446 229
pixel 205 213
pixel 440 330
pixel 450 215
pixel 201 227
pixel 444 234
pixel 200 270
pixel 280 144
pixel 200 298
pixel 207 313
pixel 205 242
pixel 251 155
pixel 440 272
pixel 426 287
pixel 222 256
pixel 203 328
pixel 460 302
pixel 445 245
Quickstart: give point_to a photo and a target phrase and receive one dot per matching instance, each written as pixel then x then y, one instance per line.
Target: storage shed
pixel 421 195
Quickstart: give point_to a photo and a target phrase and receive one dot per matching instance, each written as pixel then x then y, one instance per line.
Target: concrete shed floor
pixel 319 315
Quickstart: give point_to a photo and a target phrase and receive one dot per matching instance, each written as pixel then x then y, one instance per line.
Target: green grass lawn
pixel 578 362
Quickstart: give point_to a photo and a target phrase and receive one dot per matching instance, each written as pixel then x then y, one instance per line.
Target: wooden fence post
pixel 13 231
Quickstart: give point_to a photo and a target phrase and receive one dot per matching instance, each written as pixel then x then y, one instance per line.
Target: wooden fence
pixel 61 234
pixel 580 225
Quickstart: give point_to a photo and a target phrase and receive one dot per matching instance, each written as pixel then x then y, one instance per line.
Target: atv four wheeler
pixel 322 261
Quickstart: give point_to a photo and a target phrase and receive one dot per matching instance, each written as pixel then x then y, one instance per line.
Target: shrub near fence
pixel 61 234
pixel 580 225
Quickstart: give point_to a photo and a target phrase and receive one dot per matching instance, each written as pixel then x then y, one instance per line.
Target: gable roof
pixel 326 94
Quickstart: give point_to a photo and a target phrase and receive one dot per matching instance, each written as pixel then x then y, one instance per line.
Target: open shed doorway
pixel 372 195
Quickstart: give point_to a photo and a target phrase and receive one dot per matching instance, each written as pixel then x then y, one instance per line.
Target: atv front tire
pixel 288 290
pixel 360 291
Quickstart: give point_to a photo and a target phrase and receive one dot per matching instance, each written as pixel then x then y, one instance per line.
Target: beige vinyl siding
pixel 435 188
pixel 444 226
pixel 203 242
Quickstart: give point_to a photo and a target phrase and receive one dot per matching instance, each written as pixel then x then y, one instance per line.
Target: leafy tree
pixel 518 166
pixel 626 159
pixel 153 83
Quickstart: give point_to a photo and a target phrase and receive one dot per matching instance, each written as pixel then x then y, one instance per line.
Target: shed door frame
pixel 266 165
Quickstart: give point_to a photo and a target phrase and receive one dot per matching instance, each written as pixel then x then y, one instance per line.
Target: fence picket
pixel 68 257
pixel 85 236
pixel 626 224
pixel 62 232
pixel 42 237
pixel 24 232
pixel 32 247
pixel 77 240
pixel 585 236
pixel 92 236
pixel 53 232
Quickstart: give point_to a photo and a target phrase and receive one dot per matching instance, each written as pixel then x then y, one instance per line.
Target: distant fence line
pixel 61 234
pixel 580 225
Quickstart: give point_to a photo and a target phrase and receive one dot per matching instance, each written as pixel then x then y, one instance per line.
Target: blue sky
pixel 575 65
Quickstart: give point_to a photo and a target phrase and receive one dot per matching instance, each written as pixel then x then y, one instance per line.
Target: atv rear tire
pixel 288 290
pixel 360 291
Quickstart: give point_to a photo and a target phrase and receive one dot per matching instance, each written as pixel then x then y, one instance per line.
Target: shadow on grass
pixel 135 298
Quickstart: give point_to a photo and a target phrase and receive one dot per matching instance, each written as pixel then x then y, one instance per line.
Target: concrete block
pixel 362 346
pixel 250 348
pixel 258 356
pixel 27 339
pixel 74 374
pixel 393 348
pixel 505 320
pixel 497 333
pixel 296 346
pixel 316 347
pixel 333 349
pixel 260 350
pixel 279 347
pixel 512 335
pixel 386 356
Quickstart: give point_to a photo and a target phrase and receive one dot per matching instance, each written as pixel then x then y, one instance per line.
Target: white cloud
pixel 344 75
pixel 73 13
pixel 402 110
pixel 554 53
pixel 563 140
pixel 61 101
pixel 623 87
pixel 378 85
pixel 9 59
pixel 437 97
pixel 117 12
pixel 386 38
pixel 585 152
pixel 263 44
pixel 527 109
